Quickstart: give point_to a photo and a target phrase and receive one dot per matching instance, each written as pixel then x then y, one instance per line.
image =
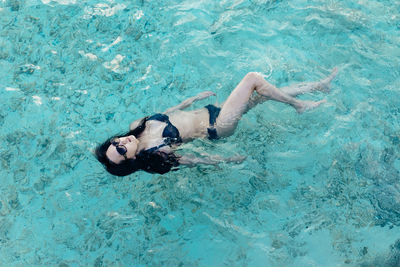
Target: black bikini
pixel 214 112
pixel 155 161
pixel 170 133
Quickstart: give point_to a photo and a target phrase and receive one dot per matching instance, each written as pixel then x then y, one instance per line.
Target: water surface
pixel 317 189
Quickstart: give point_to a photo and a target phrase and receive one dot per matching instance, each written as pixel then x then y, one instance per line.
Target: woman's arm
pixel 191 160
pixel 190 101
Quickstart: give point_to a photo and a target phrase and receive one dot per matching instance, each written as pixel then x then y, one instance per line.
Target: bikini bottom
pixel 214 112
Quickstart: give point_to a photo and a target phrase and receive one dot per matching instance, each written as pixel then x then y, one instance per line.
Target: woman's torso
pixel 190 124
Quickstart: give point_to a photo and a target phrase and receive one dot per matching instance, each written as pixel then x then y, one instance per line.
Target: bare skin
pixel 251 91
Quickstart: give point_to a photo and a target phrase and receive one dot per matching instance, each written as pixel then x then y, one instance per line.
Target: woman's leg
pixel 238 101
pixel 301 88
pixel 296 89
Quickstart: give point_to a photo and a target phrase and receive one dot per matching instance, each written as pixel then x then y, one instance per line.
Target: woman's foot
pixel 325 84
pixel 305 105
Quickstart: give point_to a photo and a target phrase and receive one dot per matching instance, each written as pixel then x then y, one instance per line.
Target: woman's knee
pixel 255 79
pixel 253 76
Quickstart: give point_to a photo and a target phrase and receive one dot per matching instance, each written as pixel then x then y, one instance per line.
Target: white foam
pixel 73 134
pixel 116 41
pixel 61 2
pixel 69 196
pixel 58 84
pixel 114 66
pixel 37 100
pixel 153 204
pixel 138 15
pixel 144 77
pixel 82 91
pixel 90 56
pixel 12 89
pixel 32 66
pixel 102 10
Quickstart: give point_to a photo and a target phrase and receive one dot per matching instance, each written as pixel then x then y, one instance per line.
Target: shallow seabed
pixel 317 189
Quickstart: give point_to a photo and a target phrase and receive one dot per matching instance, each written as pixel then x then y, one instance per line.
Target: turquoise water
pixel 317 189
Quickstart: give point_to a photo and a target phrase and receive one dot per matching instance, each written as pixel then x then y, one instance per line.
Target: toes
pixel 308 105
pixel 326 83
pixel 316 104
pixel 333 73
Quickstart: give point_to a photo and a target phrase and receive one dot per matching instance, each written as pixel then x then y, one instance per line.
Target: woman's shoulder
pixel 135 124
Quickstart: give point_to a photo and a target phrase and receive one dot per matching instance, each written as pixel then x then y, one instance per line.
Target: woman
pixel 150 143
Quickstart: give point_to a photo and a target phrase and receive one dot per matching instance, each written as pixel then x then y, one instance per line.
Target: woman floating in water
pixel 150 143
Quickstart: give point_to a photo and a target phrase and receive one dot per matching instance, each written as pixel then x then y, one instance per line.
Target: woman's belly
pixel 191 124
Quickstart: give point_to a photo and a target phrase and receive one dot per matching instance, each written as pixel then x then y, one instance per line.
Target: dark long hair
pixel 149 161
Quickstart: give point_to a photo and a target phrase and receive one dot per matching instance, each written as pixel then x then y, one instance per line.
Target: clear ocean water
pixel 317 189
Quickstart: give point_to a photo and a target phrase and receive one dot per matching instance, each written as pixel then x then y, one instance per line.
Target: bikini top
pixel 170 133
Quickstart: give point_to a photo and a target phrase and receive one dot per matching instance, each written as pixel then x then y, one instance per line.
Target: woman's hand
pixel 218 159
pixel 204 94
pixel 190 101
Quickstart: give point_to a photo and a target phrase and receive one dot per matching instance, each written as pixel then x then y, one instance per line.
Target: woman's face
pixel 122 148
